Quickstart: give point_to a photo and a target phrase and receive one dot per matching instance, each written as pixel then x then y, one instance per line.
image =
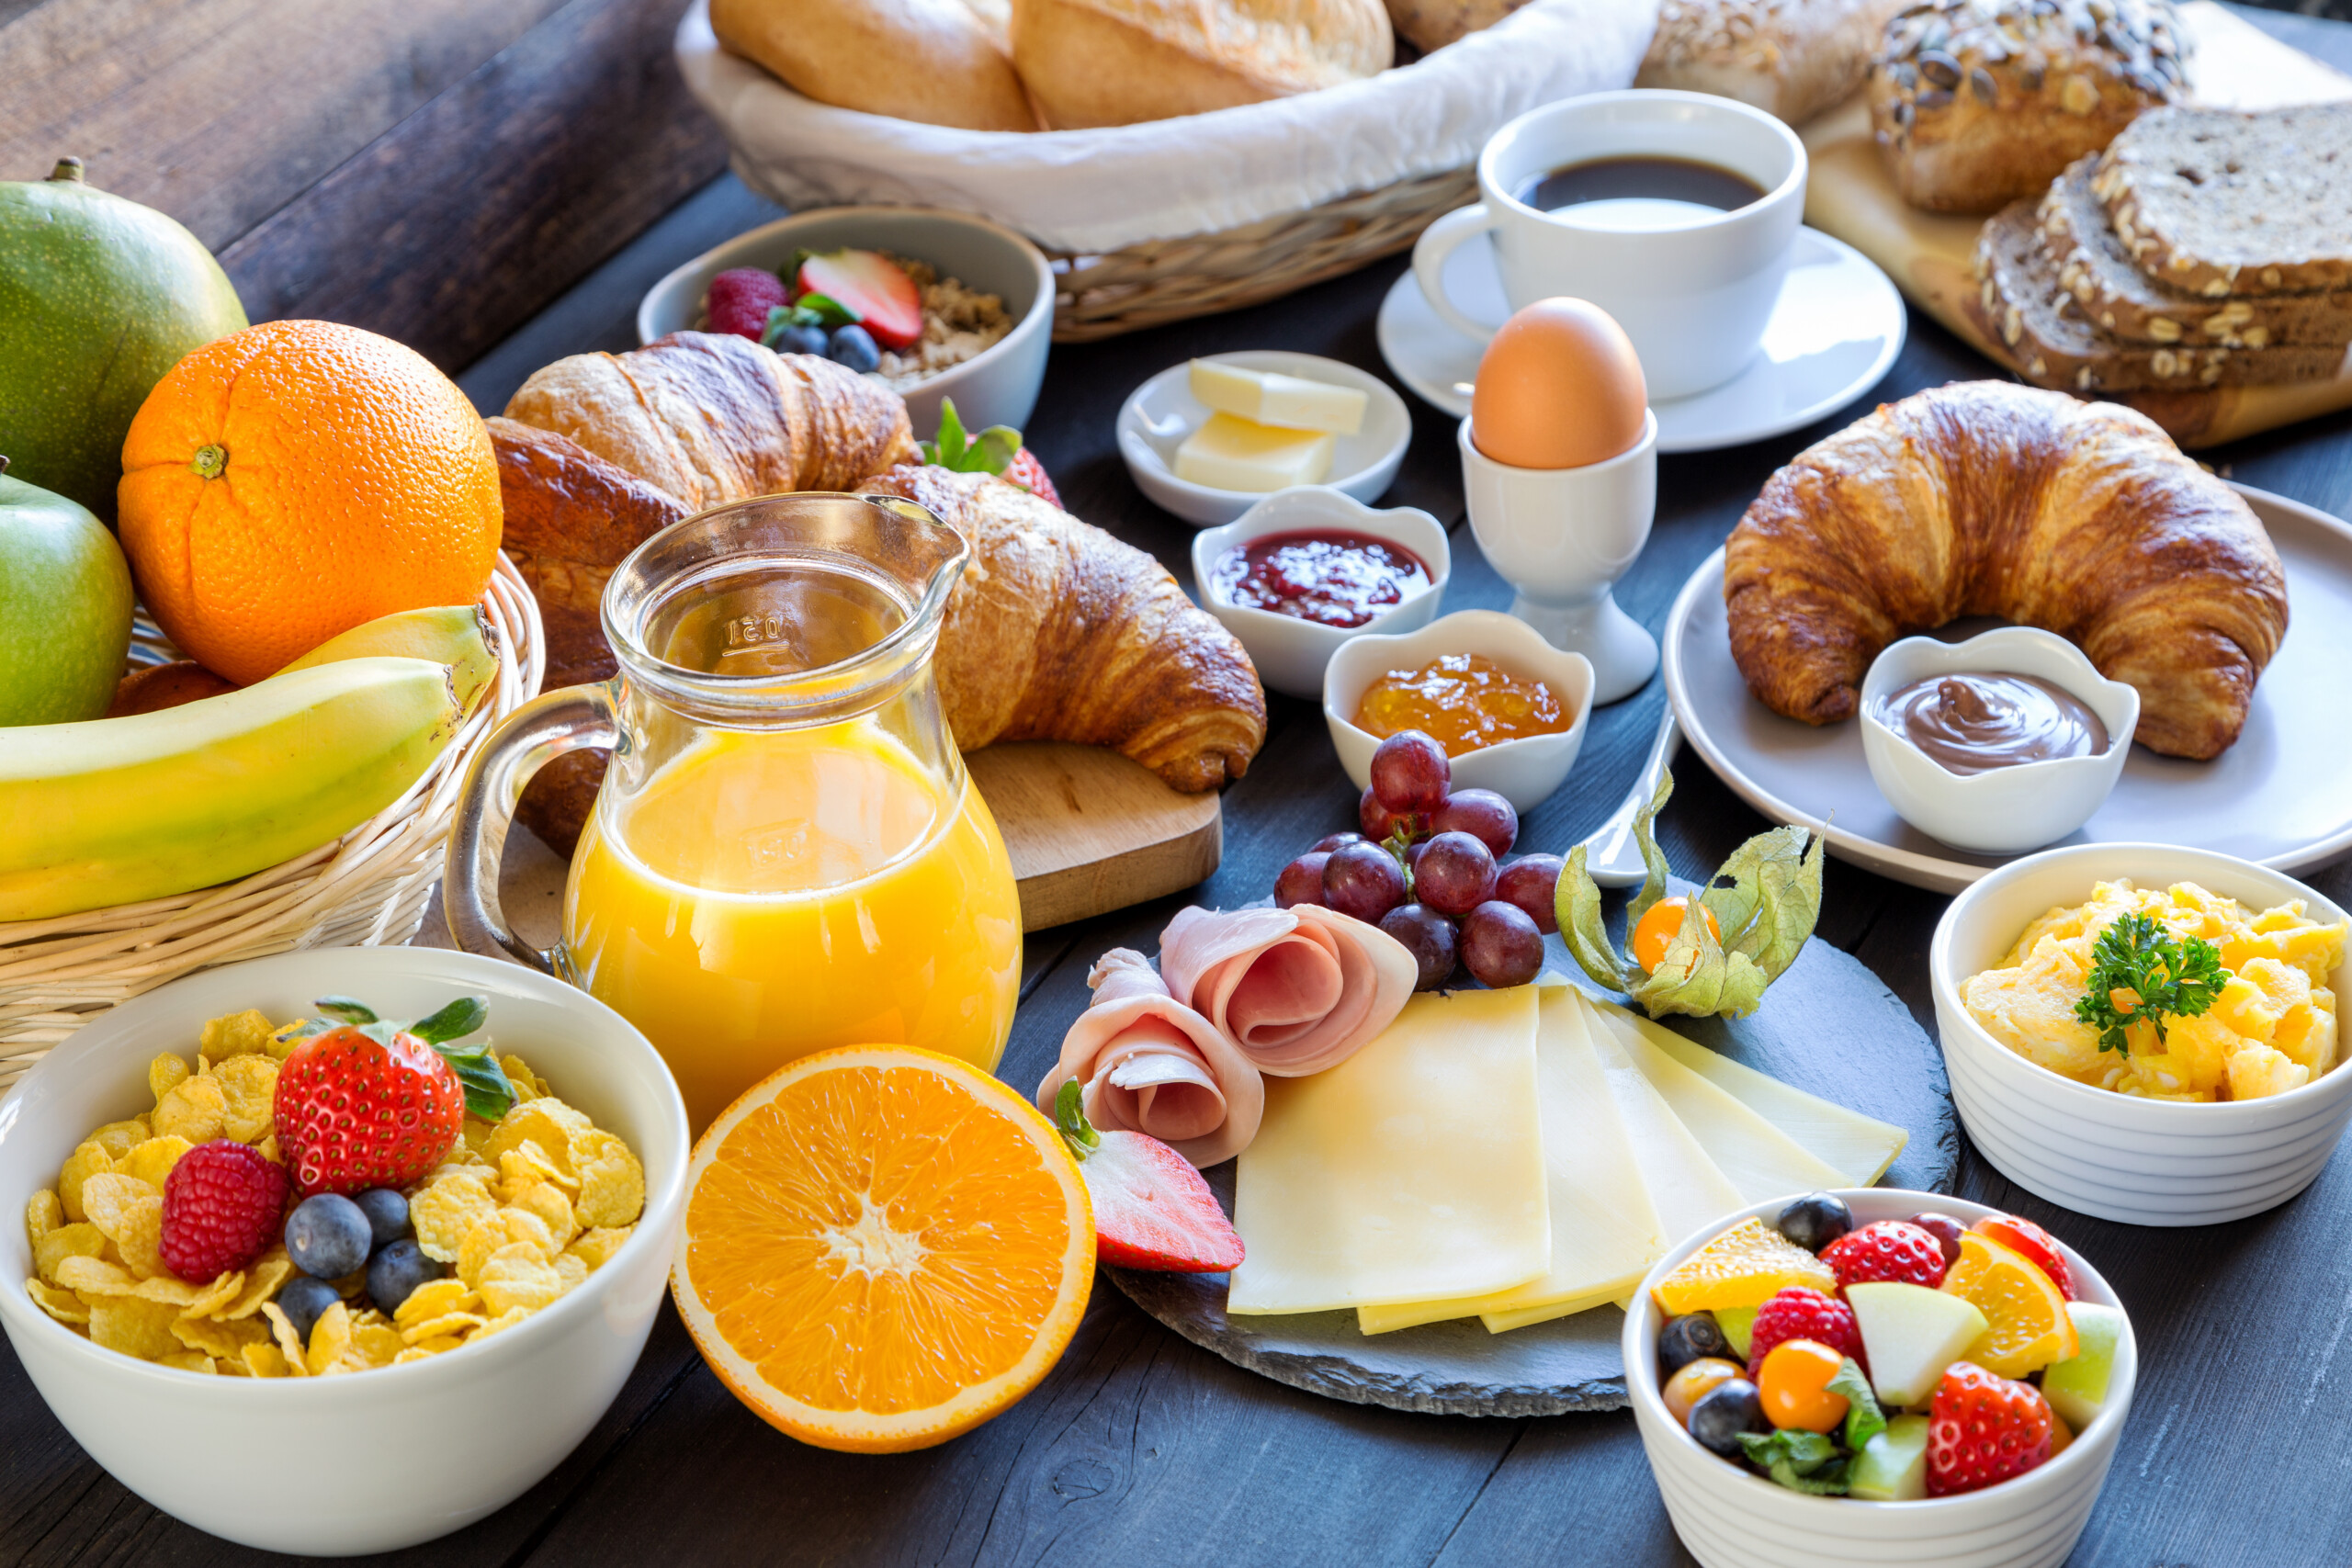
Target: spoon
pixel 1612 854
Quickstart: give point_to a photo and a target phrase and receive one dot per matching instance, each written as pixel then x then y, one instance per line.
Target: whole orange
pixel 288 482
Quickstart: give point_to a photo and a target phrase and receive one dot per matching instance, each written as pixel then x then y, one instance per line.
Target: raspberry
pixel 222 1204
pixel 1799 1312
pixel 740 300
pixel 1890 1249
pixel 1984 1428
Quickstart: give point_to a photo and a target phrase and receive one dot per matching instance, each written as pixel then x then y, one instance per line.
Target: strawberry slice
pixel 996 450
pixel 874 290
pixel 1152 1210
pixel 1030 475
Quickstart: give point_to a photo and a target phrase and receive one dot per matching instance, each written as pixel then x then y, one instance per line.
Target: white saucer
pixel 1838 327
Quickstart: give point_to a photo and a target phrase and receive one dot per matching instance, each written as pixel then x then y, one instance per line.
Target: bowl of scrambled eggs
pixel 2143 1032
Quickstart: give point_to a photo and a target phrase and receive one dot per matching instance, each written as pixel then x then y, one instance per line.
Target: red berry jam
pixel 1333 579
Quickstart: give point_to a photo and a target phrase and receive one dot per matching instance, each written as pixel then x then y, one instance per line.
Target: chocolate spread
pixel 1973 723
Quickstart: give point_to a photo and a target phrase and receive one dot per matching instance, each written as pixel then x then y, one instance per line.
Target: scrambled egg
pixel 2271 1029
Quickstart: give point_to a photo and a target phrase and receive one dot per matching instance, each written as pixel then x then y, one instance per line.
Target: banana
pixel 115 810
pixel 457 634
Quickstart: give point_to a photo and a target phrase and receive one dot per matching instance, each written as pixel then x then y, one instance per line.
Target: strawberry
pixel 221 1205
pixel 1889 1249
pixel 1799 1312
pixel 2037 1244
pixel 874 290
pixel 1030 475
pixel 740 299
pixel 369 1103
pixel 1152 1210
pixel 1984 1428
pixel 996 450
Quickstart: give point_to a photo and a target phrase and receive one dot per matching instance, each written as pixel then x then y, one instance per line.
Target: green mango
pixel 98 297
pixel 64 608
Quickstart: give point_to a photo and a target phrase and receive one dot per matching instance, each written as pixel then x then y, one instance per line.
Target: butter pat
pixel 1227 453
pixel 1271 398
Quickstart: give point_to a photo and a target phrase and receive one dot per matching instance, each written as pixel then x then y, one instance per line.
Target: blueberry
pixel 800 340
pixel 1723 1412
pixel 1687 1338
pixel 328 1236
pixel 853 348
pixel 302 1299
pixel 387 1214
pixel 396 1272
pixel 1816 1220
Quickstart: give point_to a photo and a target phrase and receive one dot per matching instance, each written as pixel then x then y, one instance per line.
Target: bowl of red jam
pixel 1305 569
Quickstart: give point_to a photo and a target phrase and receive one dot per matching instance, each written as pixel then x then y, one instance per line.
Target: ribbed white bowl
pixel 2138 1161
pixel 1729 1518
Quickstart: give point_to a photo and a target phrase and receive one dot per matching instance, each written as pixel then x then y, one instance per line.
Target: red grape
pixel 1378 821
pixel 1330 841
pixel 1456 875
pixel 1501 946
pixel 1362 880
pixel 1429 937
pixel 1481 813
pixel 1409 772
pixel 1532 882
pixel 1301 880
pixel 1413 853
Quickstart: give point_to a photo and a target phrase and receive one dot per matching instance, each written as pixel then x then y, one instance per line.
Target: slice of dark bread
pixel 2052 343
pixel 2214 202
pixel 2128 304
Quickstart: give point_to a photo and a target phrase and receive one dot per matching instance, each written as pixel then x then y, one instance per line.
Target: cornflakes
pixel 249 1095
pixel 330 1337
pixel 163 1075
pixel 376 1343
pixel 90 1158
pixel 152 1161
pixel 58 1302
pixel 81 1239
pixel 43 1213
pixel 195 1110
pixel 519 1275
pixel 433 1298
pixel 263 1276
pixel 217 1294
pixel 238 1034
pixel 226 1340
pixel 455 1323
pixel 444 1213
pixel 131 1214
pixel 133 1327
pixel 119 1138
pixel 264 1361
pixel 595 1246
pixel 186 1361
pixel 612 1184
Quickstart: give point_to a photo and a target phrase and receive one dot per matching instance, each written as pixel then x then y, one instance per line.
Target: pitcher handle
pixel 533 735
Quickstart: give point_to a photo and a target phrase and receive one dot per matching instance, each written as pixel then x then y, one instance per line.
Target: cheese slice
pixel 1858 1147
pixel 1605 1232
pixel 1269 397
pixel 1411 1171
pixel 1227 453
pixel 1687 1187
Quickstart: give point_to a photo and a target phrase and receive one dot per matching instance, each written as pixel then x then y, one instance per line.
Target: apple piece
pixel 1892 1466
pixel 1737 1324
pixel 1911 1334
pixel 2077 1388
pixel 870 287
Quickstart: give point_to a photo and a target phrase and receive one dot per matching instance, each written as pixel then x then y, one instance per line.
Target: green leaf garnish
pixel 1801 1461
pixel 825 310
pixel 1864 1419
pixel 346 1009
pixel 490 1094
pixel 2137 958
pixel 990 452
pixel 1069 1116
pixel 454 1022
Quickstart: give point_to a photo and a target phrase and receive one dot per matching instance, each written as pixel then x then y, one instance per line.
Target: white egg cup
pixel 1562 537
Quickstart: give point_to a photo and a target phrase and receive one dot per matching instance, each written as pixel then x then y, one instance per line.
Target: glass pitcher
pixel 786 854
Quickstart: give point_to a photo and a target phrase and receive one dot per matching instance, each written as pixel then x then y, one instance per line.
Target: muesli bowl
pixel 376 1459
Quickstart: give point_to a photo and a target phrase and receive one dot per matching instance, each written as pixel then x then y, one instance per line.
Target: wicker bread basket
pixel 367 889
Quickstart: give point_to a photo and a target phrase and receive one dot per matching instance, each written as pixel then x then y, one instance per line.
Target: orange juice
pixel 768 894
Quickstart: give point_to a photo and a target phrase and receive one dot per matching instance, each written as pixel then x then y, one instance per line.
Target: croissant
pixel 1984 498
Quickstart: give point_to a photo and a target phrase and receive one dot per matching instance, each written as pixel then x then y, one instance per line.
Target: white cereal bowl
pixel 1290 653
pixel 2118 1156
pixel 1523 772
pixel 1728 1517
pixel 2002 810
pixel 373 1461
pixel 997 386
pixel 1159 415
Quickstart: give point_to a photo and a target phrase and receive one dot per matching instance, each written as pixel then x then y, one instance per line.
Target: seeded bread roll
pixel 1976 103
pixel 1789 58
pixel 2214 203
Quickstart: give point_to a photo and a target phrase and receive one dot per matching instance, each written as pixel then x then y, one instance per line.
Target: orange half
pixel 2027 1325
pixel 882 1247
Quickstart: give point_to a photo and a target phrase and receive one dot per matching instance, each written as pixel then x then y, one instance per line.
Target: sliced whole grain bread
pixel 2215 202
pixel 2020 304
pixel 2129 305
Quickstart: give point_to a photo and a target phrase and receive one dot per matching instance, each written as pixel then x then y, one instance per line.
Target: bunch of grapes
pixel 1428 869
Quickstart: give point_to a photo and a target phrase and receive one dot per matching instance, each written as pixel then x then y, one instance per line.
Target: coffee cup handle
pixel 1439 240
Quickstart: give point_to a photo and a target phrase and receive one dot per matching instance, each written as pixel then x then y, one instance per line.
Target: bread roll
pixel 1091 62
pixel 1792 58
pixel 933 61
pixel 1430 24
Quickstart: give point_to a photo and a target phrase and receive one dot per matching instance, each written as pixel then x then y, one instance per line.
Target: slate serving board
pixel 1828 1027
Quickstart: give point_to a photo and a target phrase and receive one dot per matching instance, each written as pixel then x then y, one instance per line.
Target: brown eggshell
pixel 1560 387
pixel 161 686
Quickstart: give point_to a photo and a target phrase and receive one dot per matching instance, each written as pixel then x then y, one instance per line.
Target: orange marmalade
pixel 1463 701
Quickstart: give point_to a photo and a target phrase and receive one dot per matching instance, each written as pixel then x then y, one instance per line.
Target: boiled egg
pixel 1560 387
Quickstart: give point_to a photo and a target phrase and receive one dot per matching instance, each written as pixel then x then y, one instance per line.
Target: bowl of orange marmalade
pixel 1509 708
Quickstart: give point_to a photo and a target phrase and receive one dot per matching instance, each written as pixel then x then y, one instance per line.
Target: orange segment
pixel 1742 1267
pixel 2026 1323
pixel 883 1249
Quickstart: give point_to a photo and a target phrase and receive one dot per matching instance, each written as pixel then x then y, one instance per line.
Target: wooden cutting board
pixel 1930 256
pixel 1090 831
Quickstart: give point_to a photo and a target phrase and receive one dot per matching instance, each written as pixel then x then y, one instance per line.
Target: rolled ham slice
pixel 1149 1064
pixel 1297 990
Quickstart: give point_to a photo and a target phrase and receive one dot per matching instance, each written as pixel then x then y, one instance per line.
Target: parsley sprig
pixel 2137 960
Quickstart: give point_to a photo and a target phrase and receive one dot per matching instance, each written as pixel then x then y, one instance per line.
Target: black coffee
pixel 1662 179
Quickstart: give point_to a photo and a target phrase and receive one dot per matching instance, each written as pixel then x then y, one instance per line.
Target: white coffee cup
pixel 1692 285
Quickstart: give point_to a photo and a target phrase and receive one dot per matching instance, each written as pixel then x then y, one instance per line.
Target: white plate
pixel 1838 327
pixel 2278 797
pixel 1159 415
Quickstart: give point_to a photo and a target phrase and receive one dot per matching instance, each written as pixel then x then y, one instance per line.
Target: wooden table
pixel 1142 1449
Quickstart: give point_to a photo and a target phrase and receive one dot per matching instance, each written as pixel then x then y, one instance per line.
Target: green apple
pixel 2076 1387
pixel 1737 1324
pixel 1911 1334
pixel 64 608
pixel 1892 1466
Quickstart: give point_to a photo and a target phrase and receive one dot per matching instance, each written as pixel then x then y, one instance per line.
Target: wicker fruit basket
pixel 367 889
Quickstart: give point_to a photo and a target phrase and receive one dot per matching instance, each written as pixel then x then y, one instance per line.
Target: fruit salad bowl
pixel 382 1459
pixel 1731 1517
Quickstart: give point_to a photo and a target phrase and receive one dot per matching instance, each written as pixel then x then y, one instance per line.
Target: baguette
pixel 1094 62
pixel 936 62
